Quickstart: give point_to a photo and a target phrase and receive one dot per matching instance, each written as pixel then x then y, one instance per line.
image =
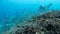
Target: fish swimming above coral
pixel 47 23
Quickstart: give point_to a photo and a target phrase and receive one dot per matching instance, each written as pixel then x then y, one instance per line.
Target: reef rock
pixel 47 23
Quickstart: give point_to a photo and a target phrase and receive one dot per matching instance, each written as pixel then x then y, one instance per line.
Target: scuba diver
pixel 43 7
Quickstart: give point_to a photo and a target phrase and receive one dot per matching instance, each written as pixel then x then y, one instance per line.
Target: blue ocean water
pixel 14 10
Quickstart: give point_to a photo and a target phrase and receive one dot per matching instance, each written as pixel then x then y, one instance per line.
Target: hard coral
pixel 47 23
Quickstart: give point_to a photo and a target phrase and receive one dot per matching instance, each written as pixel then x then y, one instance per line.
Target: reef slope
pixel 47 23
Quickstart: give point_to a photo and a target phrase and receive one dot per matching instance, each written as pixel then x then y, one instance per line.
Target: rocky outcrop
pixel 47 23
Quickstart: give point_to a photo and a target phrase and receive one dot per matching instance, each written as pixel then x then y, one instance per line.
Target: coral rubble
pixel 47 23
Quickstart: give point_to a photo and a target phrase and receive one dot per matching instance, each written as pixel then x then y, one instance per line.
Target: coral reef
pixel 47 23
